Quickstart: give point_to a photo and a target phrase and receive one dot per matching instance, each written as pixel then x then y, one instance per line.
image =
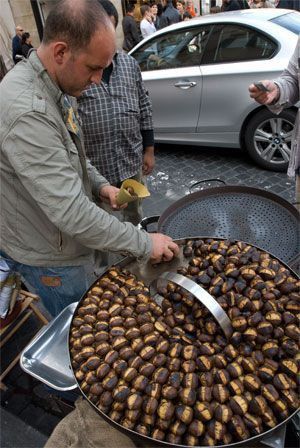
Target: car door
pixel 238 55
pixel 170 68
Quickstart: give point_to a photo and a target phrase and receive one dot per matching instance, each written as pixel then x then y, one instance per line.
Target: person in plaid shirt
pixel 117 123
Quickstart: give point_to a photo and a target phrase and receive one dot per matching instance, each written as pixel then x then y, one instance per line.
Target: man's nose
pixel 96 78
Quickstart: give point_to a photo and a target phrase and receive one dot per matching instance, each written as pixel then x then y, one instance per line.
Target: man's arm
pixel 134 32
pixel 42 164
pixel 283 91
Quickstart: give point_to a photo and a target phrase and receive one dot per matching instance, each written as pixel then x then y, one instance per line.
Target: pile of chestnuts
pixel 168 371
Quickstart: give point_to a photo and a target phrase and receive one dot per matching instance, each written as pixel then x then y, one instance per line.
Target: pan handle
pixel 206 180
pixel 200 294
pixel 143 225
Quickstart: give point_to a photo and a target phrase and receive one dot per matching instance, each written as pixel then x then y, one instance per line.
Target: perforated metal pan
pixel 243 213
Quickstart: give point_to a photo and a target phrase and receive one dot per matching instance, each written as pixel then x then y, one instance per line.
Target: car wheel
pixel 268 138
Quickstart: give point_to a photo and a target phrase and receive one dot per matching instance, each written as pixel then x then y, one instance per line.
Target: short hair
pixel 144 9
pixel 110 10
pixel 74 22
pixel 130 7
pixel 24 37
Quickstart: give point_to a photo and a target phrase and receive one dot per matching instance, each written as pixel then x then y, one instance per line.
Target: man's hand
pixel 148 160
pixel 265 97
pixel 108 194
pixel 163 248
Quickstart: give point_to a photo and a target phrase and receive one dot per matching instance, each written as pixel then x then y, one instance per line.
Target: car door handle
pixel 185 84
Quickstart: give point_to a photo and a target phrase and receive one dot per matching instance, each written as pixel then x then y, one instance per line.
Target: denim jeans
pixel 58 287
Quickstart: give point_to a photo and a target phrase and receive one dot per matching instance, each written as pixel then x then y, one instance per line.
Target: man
pixel 285 92
pixel 16 45
pixel 117 123
pixel 234 5
pixel 170 14
pixel 50 227
pixel 130 29
pixel 289 4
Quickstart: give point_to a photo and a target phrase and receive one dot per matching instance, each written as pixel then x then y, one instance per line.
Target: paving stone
pixel 15 433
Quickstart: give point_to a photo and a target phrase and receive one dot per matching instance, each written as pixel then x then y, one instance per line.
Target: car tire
pixel 268 138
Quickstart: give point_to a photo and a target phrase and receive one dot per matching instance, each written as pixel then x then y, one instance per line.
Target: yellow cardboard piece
pixel 124 196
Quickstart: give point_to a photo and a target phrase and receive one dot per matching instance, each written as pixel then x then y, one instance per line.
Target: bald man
pixel 50 226
pixel 16 45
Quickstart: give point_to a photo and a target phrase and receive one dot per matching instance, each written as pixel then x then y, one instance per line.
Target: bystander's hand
pixel 108 194
pixel 148 160
pixel 163 248
pixel 268 97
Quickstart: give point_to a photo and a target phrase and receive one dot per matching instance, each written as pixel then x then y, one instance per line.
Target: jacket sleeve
pixel 96 179
pixel 288 84
pixel 134 32
pixel 35 150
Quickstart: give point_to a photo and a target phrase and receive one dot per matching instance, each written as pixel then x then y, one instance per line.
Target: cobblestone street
pixel 179 167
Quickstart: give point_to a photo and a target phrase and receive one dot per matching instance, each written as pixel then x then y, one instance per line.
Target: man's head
pixel 78 43
pixel 19 31
pixel 130 9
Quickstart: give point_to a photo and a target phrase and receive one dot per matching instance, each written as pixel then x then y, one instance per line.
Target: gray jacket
pixel 47 215
pixel 289 86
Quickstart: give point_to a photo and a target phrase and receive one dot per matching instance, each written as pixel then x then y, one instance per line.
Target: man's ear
pixel 60 52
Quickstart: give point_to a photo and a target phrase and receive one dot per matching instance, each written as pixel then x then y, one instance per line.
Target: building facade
pixel 31 15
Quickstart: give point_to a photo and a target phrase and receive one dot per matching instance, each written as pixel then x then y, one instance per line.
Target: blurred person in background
pixel 160 11
pixel 26 44
pixel 17 45
pixel 285 92
pixel 170 14
pixel 190 8
pixel 130 29
pixel 180 6
pixel 234 5
pixel 153 8
pixel 289 4
pixel 146 25
pixel 187 16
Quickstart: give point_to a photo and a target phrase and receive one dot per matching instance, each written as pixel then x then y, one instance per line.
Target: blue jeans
pixel 58 287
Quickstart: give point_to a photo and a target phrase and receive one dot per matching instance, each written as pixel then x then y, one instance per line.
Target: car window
pixel 182 48
pixel 290 21
pixel 236 43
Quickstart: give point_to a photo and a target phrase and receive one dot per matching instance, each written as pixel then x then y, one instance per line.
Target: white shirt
pixel 147 28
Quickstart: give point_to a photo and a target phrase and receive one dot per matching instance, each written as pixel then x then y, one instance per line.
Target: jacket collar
pixel 41 71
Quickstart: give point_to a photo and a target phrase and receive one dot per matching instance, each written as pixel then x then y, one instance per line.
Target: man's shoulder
pixel 128 20
pixel 127 61
pixel 21 93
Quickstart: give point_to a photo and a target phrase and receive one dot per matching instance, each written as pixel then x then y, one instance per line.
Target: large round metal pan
pixel 243 213
pixel 147 273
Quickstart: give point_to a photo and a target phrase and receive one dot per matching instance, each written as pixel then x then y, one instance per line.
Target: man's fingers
pixel 174 248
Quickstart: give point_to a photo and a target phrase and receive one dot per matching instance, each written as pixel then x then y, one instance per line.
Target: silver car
pixel 198 72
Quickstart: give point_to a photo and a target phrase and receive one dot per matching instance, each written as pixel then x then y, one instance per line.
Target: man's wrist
pixel 276 99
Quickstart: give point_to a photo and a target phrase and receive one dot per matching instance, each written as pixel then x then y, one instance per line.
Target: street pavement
pixel 179 167
pixel 27 405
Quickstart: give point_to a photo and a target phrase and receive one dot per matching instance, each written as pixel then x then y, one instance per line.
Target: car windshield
pixel 290 21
